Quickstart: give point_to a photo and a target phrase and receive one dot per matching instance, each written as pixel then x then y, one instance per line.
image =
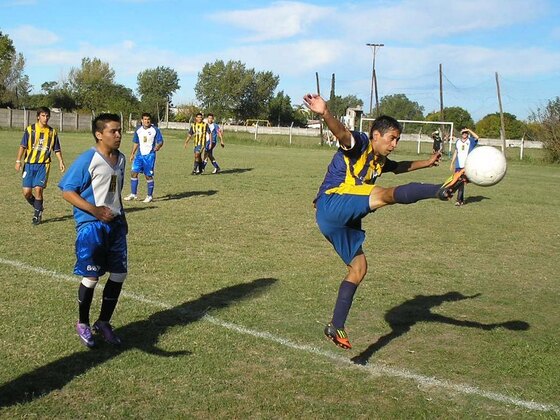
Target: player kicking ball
pixel 348 194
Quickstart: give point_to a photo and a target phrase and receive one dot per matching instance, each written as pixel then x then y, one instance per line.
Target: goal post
pixel 445 129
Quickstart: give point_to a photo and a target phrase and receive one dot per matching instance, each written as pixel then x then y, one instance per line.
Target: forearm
pixel 78 201
pixel 412 165
pixel 338 129
pixel 20 154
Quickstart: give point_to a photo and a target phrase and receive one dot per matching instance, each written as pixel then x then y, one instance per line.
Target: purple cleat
pixel 106 331
pixel 84 332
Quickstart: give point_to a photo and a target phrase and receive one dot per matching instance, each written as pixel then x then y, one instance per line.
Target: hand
pixel 104 213
pixel 18 166
pixel 435 159
pixel 315 103
pixel 223 145
pixel 62 167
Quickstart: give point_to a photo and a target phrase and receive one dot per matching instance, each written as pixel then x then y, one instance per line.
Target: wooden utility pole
pixel 320 119
pixel 503 126
pixel 441 116
pixel 332 88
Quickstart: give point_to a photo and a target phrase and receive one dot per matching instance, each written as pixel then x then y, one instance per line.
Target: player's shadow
pixel 234 171
pixel 142 335
pixel 403 317
pixel 475 199
pixel 129 210
pixel 186 194
pixel 57 219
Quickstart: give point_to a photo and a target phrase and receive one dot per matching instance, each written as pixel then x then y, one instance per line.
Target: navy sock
pixel 343 303
pixel 413 192
pixel 85 296
pixel 38 205
pixel 31 200
pixel 111 294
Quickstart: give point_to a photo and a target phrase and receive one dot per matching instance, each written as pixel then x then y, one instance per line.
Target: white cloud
pixel 27 35
pixel 281 20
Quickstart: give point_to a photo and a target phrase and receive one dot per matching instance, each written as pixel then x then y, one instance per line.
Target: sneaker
pixel 452 184
pixel 131 197
pixel 337 336
pixel 37 218
pixel 106 331
pixel 84 332
pixel 216 170
pixel 148 199
pixel 459 203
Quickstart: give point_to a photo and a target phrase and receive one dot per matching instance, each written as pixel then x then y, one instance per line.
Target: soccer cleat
pixel 459 203
pixel 37 218
pixel 131 197
pixel 216 170
pixel 106 331
pixel 148 199
pixel 84 332
pixel 337 336
pixel 452 184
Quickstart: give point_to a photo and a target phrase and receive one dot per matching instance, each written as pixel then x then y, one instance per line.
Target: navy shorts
pixel 101 248
pixel 35 175
pixel 210 146
pixel 339 217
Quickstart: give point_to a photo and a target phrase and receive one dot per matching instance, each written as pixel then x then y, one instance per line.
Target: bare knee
pixel 380 197
pixel 357 269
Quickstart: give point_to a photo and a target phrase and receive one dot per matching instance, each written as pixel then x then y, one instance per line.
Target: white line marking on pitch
pixel 375 369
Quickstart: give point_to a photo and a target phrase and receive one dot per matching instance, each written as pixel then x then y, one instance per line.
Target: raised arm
pixel 408 166
pixel 318 105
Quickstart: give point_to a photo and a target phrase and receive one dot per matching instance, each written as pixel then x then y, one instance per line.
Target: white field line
pixel 374 369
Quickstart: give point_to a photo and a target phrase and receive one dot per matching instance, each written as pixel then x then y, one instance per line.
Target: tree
pixel 338 104
pixel 455 114
pixel 14 84
pixel 545 126
pixel 230 90
pixel 92 83
pixel 280 110
pixel 490 126
pixel 155 87
pixel 400 107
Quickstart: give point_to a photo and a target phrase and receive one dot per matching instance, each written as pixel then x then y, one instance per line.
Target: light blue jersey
pixel 96 181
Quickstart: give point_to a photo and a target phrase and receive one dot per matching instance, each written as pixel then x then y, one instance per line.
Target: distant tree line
pixel 234 93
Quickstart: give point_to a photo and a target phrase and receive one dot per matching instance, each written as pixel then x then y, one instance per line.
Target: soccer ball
pixel 485 166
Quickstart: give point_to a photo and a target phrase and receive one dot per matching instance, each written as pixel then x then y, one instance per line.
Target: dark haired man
pixel 93 185
pixel 348 194
pixel 38 142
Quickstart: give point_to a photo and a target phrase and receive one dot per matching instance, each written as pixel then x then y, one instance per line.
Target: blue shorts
pixel 198 148
pixel 210 146
pixel 35 175
pixel 144 164
pixel 339 217
pixel 100 248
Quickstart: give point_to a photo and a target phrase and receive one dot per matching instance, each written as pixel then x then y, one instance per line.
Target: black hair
pixel 44 109
pixel 209 114
pixel 98 124
pixel 384 123
pixel 146 114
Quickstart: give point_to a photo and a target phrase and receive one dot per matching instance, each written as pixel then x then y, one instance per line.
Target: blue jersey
pixel 96 181
pixel 147 139
pixel 355 170
pixel 463 148
pixel 214 130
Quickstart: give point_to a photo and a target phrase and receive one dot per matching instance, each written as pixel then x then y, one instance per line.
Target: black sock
pixel 38 206
pixel 343 303
pixel 85 296
pixel 31 200
pixel 111 294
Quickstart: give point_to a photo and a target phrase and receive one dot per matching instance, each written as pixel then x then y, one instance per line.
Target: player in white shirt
pixel 463 146
pixel 146 142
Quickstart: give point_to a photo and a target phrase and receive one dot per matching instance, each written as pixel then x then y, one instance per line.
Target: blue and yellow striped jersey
pixel 354 171
pixel 199 131
pixel 39 143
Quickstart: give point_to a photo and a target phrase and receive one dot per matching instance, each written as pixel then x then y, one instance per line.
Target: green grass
pixel 243 246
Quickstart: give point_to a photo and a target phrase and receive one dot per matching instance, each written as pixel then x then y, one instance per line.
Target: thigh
pixel 91 249
pixel 138 164
pixel 149 164
pixel 117 257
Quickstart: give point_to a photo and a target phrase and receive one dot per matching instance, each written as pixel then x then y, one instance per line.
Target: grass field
pixel 230 284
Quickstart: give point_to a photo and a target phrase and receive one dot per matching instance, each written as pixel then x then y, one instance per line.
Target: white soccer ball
pixel 485 166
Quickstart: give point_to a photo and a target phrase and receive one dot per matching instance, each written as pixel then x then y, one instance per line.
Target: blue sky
pixel 472 39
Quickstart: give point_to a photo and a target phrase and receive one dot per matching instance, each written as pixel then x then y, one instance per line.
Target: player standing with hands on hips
pixel 34 155
pixel 93 185
pixel 348 194
pixel 146 142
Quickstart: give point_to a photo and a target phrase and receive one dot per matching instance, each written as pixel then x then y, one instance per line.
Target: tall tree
pixel 545 126
pixel 400 107
pixel 230 90
pixel 490 126
pixel 156 87
pixel 92 83
pixel 460 118
pixel 14 84
pixel 338 104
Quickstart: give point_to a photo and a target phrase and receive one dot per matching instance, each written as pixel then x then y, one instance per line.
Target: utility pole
pixel 374 48
pixel 320 118
pixel 441 116
pixel 503 126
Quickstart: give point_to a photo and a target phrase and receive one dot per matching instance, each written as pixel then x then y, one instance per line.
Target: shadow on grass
pixel 475 199
pixel 403 317
pixel 57 219
pixel 233 171
pixel 142 335
pixel 186 194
